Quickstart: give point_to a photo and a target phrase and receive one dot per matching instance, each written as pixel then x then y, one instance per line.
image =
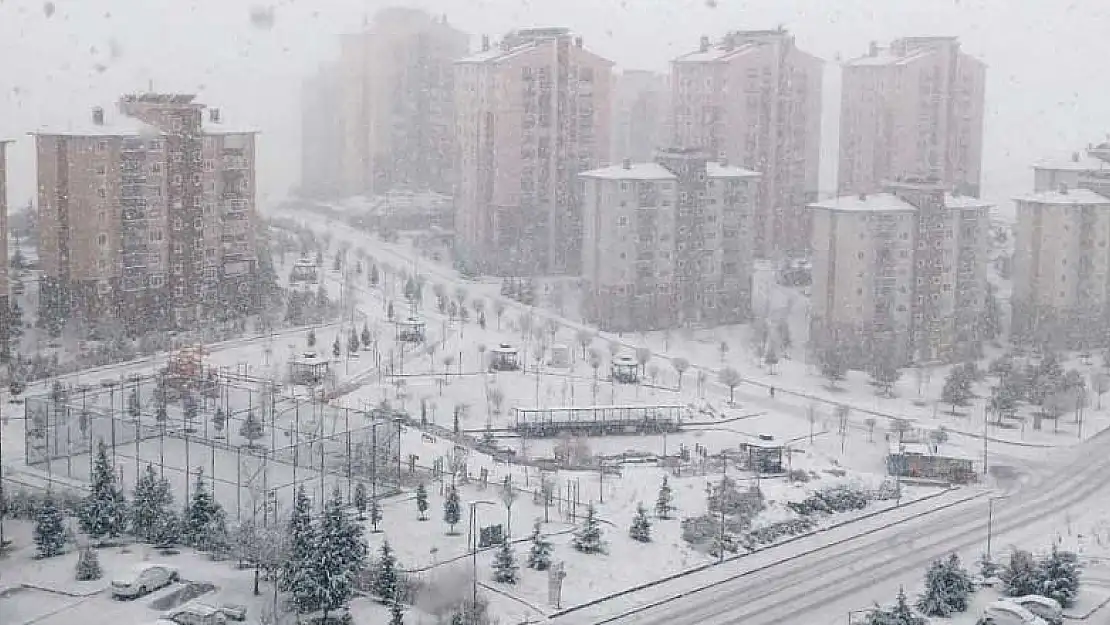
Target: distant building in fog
pixel 641 120
pixel 668 242
pixel 5 288
pixel 914 108
pixel 904 268
pixel 384 108
pixel 532 111
pixel 147 215
pixel 754 98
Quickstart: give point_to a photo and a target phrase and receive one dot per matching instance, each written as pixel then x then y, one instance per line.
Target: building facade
pixel 755 99
pixel 641 120
pixel 148 216
pixel 668 243
pixel 322 139
pixel 906 266
pixel 5 286
pixel 391 114
pixel 531 113
pixel 914 108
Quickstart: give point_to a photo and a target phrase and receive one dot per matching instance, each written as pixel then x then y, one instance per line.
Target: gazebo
pixel 625 369
pixel 765 454
pixel 307 369
pixel 504 358
pixel 410 330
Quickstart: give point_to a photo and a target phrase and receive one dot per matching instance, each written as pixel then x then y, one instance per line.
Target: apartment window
pixel 157 281
pixel 102 240
pixel 101 217
pixel 175 124
pixel 179 290
pixel 177 178
pixel 178 268
pixel 104 287
pixel 101 146
pixel 156 168
pixel 622 220
pixel 101 170
pixel 209 164
pixel 102 192
pixel 102 264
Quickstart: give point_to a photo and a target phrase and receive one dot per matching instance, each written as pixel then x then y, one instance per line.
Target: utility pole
pixel 990 523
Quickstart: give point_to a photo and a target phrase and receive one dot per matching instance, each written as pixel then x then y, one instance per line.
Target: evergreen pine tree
pixel 457 619
pixel 539 556
pixel 396 613
pixel 664 505
pixel 422 501
pixel 49 533
pixel 957 388
pixel 353 342
pixel 134 405
pixel 360 500
pixel 336 349
pixel 641 526
pixel 204 524
pixel 104 511
pixel 587 538
pixel 385 576
pixel 88 565
pixel 339 557
pixel 1058 576
pixel 168 531
pixel 375 513
pixel 947 588
pixel 251 428
pixel 1020 574
pixel 366 338
pixel 295 575
pixel 902 614
pixel 452 508
pixel 151 501
pixel 504 564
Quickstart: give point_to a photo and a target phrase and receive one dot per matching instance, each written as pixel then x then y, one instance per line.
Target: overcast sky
pixel 1046 93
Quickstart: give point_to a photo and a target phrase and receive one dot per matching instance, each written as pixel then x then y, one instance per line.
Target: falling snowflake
pixel 262 17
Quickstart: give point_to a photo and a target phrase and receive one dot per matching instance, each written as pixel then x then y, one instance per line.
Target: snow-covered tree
pixel 1020 574
pixel 296 576
pixel 205 523
pixel 731 378
pixel 353 342
pixel 833 364
pixel 680 366
pixel 422 501
pixel 1058 576
pixel 396 612
pixel 957 388
pixel 539 555
pixel 771 358
pixel 366 337
pixel 386 582
pixel 947 588
pixel 88 565
pixel 504 564
pixel 310 339
pixel 219 420
pixel 252 428
pixel 360 500
pixel 339 557
pixel 898 614
pixel 134 406
pixel 151 502
pixel 49 533
pixel 641 526
pixel 587 538
pixel 336 348
pixel 104 511
pixel 452 508
pixel 375 514
pixel 664 505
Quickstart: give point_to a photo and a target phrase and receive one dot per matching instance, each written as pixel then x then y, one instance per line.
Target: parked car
pixel 194 614
pixel 142 580
pixel 1005 612
pixel 1048 609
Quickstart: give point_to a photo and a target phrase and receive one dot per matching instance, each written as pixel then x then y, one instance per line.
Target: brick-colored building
pixel 668 242
pixel 914 108
pixel 755 98
pixel 532 111
pixel 147 214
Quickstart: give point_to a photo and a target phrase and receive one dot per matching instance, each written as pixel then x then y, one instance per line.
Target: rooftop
pixel 965 201
pixel 886 57
pixel 876 202
pixel 1078 162
pixel 635 171
pixel 716 52
pixel 120 126
pixel 1071 196
pixel 220 128
pixel 720 170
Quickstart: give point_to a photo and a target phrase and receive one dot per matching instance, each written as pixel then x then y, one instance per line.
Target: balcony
pixel 236 205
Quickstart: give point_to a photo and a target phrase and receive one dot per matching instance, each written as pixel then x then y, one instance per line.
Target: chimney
pixel 98 116
pixel 485 43
pixel 704 46
pixel 724 161
pixel 214 115
pixel 1075 157
pixel 578 42
pixel 873 49
pixel 1063 188
pixel 863 197
pixel 626 163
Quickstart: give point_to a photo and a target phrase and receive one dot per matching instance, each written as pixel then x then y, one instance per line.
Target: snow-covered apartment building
pixel 914 108
pixel 668 242
pixel 906 267
pixel 532 111
pixel 754 98
pixel 147 214
pixel 1061 270
pixel 381 116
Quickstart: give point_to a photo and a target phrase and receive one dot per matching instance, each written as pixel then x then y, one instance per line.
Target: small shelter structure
pixel 504 357
pixel 625 369
pixel 411 330
pixel 559 356
pixel 764 454
pixel 304 271
pixel 307 369
pixel 922 460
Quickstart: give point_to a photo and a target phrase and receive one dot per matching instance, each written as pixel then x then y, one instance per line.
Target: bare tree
pixel 731 378
pixel 680 366
pixel 508 497
pixel 584 338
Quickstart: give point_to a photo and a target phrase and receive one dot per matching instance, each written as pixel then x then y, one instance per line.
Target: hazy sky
pixel 1045 93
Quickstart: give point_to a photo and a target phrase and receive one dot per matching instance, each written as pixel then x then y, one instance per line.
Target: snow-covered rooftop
pixel 1072 196
pixel 877 202
pixel 635 171
pixel 1079 162
pixel 121 126
pixel 220 128
pixel 886 58
pixel 717 170
pixel 965 201
pixel 716 52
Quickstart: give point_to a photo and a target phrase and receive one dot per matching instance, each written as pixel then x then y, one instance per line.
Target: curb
pixel 796 537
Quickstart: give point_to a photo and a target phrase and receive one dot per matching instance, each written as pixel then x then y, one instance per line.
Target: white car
pixel 1048 609
pixel 142 580
pixel 194 614
pixel 1006 612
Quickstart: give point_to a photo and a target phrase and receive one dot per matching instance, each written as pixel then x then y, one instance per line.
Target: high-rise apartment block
pixel 641 121
pixel 390 99
pixel 1061 268
pixel 904 269
pixel 5 288
pixel 148 216
pixel 668 242
pixel 755 99
pixel 531 113
pixel 912 109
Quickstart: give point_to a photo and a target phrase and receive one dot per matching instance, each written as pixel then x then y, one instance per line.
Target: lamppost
pixel 474 550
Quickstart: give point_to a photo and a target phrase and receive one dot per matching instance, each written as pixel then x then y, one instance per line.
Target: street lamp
pixel 474 550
